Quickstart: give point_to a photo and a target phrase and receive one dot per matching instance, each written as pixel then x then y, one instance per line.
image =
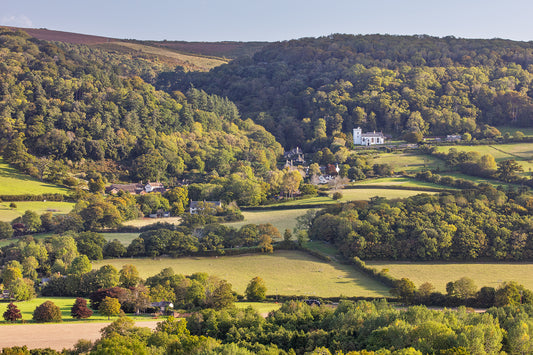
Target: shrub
pixel 337 196
pixel 47 312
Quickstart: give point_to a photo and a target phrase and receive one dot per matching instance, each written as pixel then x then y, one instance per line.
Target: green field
pixel 7 214
pixel 284 272
pixel 438 274
pixel 367 194
pixel 124 238
pixel 521 152
pixel 528 132
pixel 65 303
pixel 401 181
pixel 281 219
pixel 14 183
pixel 409 162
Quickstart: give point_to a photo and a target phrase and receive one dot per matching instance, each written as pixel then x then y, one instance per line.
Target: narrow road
pixel 55 336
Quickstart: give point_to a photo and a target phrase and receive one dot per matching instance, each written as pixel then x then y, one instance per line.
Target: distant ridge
pixel 61 36
pixel 225 49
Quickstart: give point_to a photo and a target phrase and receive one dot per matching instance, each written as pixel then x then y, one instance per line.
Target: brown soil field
pixel 55 336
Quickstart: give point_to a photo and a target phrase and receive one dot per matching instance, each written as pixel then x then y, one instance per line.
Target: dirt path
pixel 54 336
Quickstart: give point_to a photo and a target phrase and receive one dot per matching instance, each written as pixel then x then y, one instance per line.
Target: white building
pixel 369 138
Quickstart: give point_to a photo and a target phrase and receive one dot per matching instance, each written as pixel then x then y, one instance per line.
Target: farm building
pixel 136 189
pixel 197 206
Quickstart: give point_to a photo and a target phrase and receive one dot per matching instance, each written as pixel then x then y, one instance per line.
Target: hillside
pixel 308 90
pixel 67 107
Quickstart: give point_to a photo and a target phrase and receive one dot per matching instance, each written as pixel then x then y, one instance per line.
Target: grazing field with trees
pixel 284 273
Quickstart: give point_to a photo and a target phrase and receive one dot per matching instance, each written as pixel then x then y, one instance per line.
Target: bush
pixel 256 290
pixel 337 196
pixel 47 312
pixel 80 310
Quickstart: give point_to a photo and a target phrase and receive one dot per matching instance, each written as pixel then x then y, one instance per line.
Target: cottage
pixel 369 138
pixel 453 138
pixel 296 155
pixel 136 188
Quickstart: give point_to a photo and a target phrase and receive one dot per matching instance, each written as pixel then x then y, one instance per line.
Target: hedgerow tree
pixel 47 312
pixel 256 289
pixel 12 313
pixel 80 310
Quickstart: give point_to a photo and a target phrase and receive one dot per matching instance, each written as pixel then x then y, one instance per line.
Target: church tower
pixel 357 136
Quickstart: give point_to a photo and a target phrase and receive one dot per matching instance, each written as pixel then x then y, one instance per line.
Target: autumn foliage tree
pixel 12 313
pixel 109 307
pixel 80 310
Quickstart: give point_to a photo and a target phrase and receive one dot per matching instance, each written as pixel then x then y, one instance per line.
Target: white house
pixel 369 138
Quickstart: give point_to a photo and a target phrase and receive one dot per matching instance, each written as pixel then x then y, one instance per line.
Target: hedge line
pixel 283 207
pixel 373 273
pixel 395 187
pixel 43 197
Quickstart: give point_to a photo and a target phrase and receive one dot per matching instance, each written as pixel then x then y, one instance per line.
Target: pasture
pixel 65 304
pixel 284 272
pixel 14 183
pixel 521 152
pixel 281 219
pixel 409 162
pixel 8 214
pixel 367 194
pixel 124 238
pixel 440 273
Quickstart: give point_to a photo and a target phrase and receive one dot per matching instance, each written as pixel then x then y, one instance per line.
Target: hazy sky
pixel 273 20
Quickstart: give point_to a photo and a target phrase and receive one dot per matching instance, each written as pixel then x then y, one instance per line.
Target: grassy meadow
pixel 409 162
pixel 284 272
pixel 440 273
pixel 14 183
pixel 65 304
pixel 281 219
pixel 521 152
pixel 8 214
pixel 124 238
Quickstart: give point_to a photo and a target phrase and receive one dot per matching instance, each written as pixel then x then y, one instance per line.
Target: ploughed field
pixel 284 273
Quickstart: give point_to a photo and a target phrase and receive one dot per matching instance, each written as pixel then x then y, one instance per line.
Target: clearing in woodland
pixel 284 272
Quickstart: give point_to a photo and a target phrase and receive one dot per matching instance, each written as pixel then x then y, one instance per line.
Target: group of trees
pixel 355 328
pixel 308 90
pixel 467 225
pixel 210 238
pixel 462 292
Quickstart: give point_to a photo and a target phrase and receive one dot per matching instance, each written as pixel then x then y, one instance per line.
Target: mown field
pixel 141 222
pixel 438 274
pixel 14 183
pixel 284 272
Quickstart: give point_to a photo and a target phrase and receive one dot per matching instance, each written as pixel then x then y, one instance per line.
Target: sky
pixel 272 20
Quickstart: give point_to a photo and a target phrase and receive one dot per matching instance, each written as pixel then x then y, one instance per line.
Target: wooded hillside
pixel 89 108
pixel 312 89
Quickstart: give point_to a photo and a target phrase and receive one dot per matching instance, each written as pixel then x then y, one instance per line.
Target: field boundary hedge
pixel 42 197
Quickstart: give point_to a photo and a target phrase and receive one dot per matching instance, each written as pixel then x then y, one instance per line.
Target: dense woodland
pixel 91 109
pixel 467 225
pixel 309 90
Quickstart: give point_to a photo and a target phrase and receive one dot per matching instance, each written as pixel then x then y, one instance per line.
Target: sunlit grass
pixel 284 272
pixel 439 273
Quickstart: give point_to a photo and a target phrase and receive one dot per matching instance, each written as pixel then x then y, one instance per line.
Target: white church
pixel 369 138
